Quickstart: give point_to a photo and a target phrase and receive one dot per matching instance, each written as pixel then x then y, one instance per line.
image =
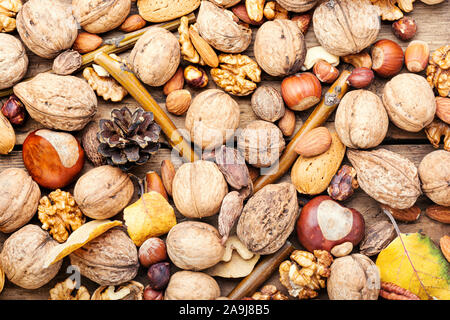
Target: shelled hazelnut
pixel 405 28
pixel 14 110
pixel 195 77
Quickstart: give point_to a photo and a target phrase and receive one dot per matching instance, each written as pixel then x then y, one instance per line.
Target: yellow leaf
pixel 431 266
pixel 150 216
pixel 79 238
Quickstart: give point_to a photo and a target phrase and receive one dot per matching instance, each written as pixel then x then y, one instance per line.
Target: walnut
pixel 13 60
pixel 106 87
pixel 389 10
pixel 233 71
pixel 188 51
pixel 67 62
pixel 269 292
pixel 305 273
pixel 60 214
pixel 8 11
pixel 438 70
pixel 64 291
pixel 435 130
pixel 131 290
pixel 434 173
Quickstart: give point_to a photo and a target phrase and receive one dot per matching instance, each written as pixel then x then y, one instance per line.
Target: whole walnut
pixel 55 101
pixel 193 245
pixel 23 256
pixel 268 104
pixel 225 3
pixel 280 47
pixel 409 101
pixel 160 47
pixel 13 60
pixel 353 277
pixel 198 189
pixel 220 30
pixel 386 176
pixel 346 27
pixel 212 118
pixel 268 218
pixel 434 172
pixel 103 192
pixel 47 27
pixel 19 199
pixel 361 120
pixel 98 16
pixel 297 5
pixel 261 142
pixel 190 285
pixel 110 259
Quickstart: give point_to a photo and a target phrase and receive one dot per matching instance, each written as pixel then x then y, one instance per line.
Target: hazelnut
pixel 359 60
pixel 150 294
pixel 175 83
pixel 387 58
pixel 325 72
pixel 416 56
pixel 301 91
pixel 178 101
pixel 405 28
pixel 14 111
pixel 195 77
pixel 360 78
pixel 52 158
pixel 159 275
pixel 152 251
pixel 287 123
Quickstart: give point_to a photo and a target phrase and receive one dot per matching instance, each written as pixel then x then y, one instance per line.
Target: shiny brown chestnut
pixel 52 158
pixel 324 223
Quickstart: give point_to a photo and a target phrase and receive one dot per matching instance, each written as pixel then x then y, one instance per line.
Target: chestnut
pixel 324 223
pixel 152 251
pixel 52 158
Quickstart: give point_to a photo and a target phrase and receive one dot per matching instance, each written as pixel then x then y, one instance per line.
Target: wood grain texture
pixel 431 22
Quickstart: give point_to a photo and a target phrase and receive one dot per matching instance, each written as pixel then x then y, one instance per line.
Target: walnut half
pixel 106 87
pixel 8 11
pixel 60 214
pixel 232 74
pixel 65 291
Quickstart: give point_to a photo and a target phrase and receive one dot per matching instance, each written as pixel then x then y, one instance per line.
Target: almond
pixel 175 83
pixel 203 48
pixel 167 175
pixel 241 12
pixel 443 109
pixel 445 247
pixel 133 23
pixel 313 143
pixel 438 213
pixel 87 42
pixel 153 182
pixel 287 123
pixel 404 215
pixel 178 102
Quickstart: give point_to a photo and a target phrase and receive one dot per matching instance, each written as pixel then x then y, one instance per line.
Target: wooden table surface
pixel 432 21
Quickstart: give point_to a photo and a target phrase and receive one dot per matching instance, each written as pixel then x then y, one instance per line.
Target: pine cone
pixel 128 139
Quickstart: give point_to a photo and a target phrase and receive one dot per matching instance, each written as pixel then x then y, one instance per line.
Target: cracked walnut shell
pixel 106 87
pixel 305 274
pixel 131 290
pixel 60 214
pixel 438 70
pixel 233 72
pixel 65 291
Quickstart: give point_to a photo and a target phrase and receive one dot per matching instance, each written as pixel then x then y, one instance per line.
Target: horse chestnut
pixel 324 223
pixel 52 158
